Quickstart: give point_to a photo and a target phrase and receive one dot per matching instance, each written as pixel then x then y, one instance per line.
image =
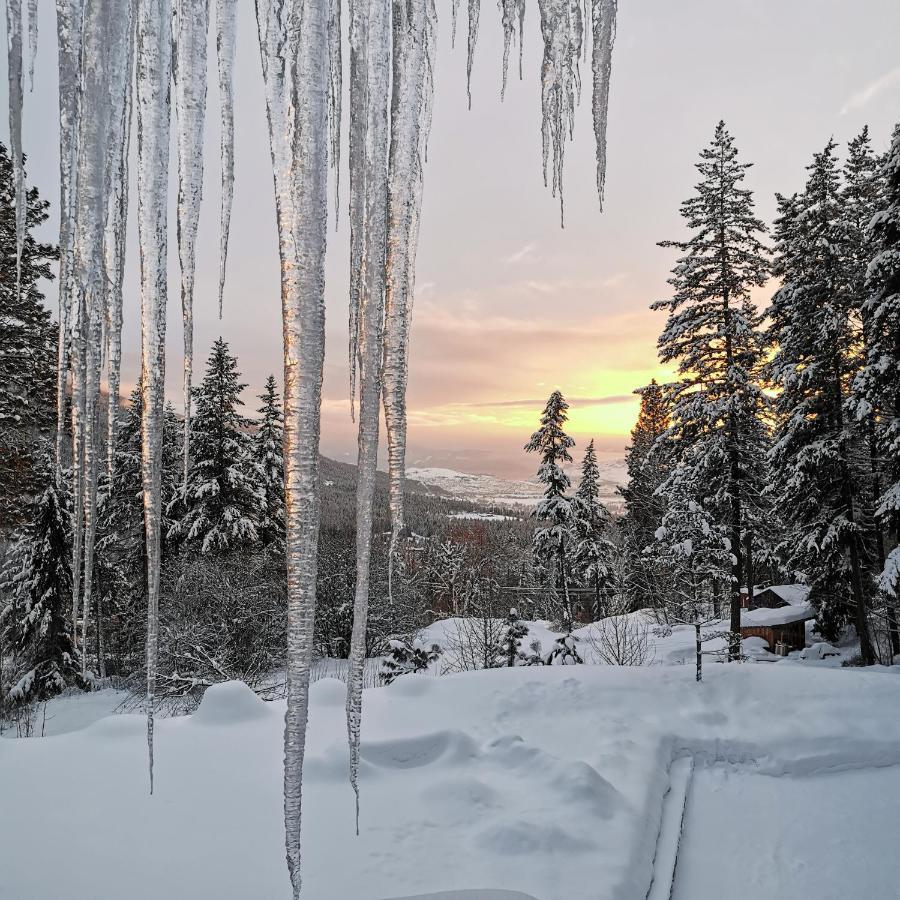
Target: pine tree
pixel 877 386
pixel 594 550
pixel 222 501
pixel 552 540
pixel 268 455
pixel 513 634
pixel 714 334
pixel 648 459
pixel 819 457
pixel 27 353
pixel 41 604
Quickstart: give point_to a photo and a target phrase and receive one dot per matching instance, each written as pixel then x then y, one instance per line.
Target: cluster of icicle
pixel 137 50
pixel 113 55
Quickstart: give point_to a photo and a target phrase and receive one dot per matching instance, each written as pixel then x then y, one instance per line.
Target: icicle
pixel 359 23
pixel 103 85
pixel 522 34
pixel 189 67
pixel 334 100
pixel 296 101
pixel 562 30
pixel 603 27
pixel 68 33
pixel 371 323
pixel 116 221
pixel 453 14
pixel 412 90
pixel 32 40
pixel 225 41
pixel 512 13
pixel 474 10
pixel 154 73
pixel 14 64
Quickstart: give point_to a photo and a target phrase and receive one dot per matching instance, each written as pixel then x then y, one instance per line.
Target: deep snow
pixel 548 781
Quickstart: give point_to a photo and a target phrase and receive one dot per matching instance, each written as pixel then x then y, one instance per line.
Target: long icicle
pixel 299 141
pixel 512 13
pixel 154 73
pixel 371 323
pixel 225 45
pixel 412 89
pixel 68 34
pixel 453 16
pixel 474 12
pixel 335 90
pixel 603 27
pixel 189 68
pixel 115 243
pixel 359 24
pixel 14 70
pixel 32 40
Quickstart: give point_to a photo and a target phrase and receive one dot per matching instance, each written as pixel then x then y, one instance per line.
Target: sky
pixel 509 305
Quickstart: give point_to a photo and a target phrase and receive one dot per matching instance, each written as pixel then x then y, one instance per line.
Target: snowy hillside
pixel 550 782
pixel 490 490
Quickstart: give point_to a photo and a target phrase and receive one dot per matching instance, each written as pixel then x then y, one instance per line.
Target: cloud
pixel 523 254
pixel 579 401
pixel 862 97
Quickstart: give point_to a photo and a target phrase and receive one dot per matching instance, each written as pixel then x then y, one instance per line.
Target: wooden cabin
pixel 779 616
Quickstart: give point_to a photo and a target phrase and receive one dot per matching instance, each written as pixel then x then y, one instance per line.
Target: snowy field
pixel 545 781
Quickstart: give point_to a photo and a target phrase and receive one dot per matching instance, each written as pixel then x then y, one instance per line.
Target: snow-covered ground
pixel 546 781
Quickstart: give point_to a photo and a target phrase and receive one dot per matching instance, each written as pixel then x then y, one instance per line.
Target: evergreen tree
pixel 222 500
pixel 648 459
pixel 40 618
pixel 552 540
pixel 407 658
pixel 714 334
pixel 877 386
pixel 819 457
pixel 27 353
pixel 268 455
pixel 512 638
pixel 593 549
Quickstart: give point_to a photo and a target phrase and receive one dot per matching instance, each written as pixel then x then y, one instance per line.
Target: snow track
pixel 671 828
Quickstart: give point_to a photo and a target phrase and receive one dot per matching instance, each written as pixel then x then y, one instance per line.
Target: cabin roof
pixel 782 615
pixel 792 594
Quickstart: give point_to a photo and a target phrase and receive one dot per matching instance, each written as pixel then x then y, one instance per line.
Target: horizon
pixel 508 305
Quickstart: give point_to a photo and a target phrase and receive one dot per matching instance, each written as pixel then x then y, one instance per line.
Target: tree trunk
pixel 699 648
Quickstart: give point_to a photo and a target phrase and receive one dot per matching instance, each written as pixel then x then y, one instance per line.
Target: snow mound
pixel 229 703
pixel 521 837
pixel 422 750
pixel 820 650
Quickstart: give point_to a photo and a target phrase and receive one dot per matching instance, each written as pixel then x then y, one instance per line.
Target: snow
pixel 829 836
pixel 782 615
pixel 481 517
pixel 792 594
pixel 545 781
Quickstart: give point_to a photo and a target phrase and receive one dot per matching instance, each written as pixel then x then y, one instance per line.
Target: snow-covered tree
pixel 593 551
pixel 648 459
pixel 875 390
pixel 268 456
pixel 553 538
pixel 406 657
pixel 714 334
pixel 223 500
pixel 515 631
pixel 27 353
pixel 564 651
pixel 820 455
pixel 40 620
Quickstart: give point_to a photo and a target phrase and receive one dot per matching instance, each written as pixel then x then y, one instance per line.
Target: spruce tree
pixel 268 455
pixel 877 385
pixel 513 633
pixel 819 457
pixel 553 538
pixel 27 353
pixel 714 335
pixel 594 550
pixel 222 500
pixel 40 618
pixel 648 459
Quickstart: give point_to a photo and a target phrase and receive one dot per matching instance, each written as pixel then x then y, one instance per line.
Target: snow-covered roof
pixel 792 594
pixel 781 616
